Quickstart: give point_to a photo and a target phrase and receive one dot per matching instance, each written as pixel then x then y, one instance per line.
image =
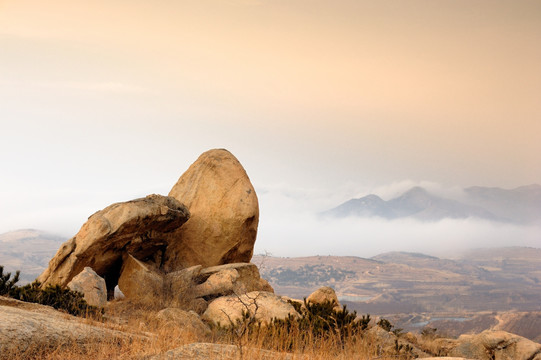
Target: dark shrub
pixel 55 296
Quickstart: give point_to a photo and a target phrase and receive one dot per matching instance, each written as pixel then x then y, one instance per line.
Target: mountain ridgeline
pixel 521 205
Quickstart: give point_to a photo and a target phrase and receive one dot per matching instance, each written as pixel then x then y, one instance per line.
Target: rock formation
pixel 136 227
pixel 224 214
pixel 188 288
pixel 145 246
pixel 91 285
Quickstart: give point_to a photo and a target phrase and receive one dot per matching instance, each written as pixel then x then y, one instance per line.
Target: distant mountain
pixel 521 205
pixel 28 250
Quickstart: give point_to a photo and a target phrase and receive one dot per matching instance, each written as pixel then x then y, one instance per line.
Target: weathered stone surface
pixel 204 351
pixel 138 281
pixel 189 321
pixel 322 295
pixel 227 309
pixel 136 227
pixel 499 345
pixel 91 285
pixel 25 327
pixel 238 278
pixel 224 214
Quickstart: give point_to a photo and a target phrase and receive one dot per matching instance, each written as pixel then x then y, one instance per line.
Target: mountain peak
pixel 521 205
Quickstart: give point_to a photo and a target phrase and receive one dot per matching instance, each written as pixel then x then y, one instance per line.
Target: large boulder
pixel 136 227
pixel 91 285
pixel 498 345
pixel 224 214
pixel 265 306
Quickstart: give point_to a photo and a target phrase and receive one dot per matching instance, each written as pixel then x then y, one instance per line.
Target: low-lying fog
pixel 290 226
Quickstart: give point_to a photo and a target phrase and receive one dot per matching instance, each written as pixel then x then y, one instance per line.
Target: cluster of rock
pixel 488 345
pixel 184 250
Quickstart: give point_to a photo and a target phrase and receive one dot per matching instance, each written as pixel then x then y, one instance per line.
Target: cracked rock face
pixel 137 227
pixel 224 214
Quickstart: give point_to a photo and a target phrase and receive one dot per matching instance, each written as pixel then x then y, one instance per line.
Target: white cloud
pixel 304 235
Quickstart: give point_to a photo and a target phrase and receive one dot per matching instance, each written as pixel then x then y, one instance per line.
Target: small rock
pixel 322 295
pixel 119 295
pixel 91 285
pixel 189 321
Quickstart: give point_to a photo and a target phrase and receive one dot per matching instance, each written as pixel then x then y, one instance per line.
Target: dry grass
pixel 151 336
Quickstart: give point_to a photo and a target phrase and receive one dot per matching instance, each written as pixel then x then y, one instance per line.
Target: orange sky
pixel 308 92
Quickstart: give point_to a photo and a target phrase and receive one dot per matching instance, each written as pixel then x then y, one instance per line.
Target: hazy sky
pixel 105 101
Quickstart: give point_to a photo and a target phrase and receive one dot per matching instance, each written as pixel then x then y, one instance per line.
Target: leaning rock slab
pixel 91 285
pixel 139 282
pixel 136 227
pixel 227 309
pixel 224 214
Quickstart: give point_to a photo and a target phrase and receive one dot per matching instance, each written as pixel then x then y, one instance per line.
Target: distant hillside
pixel 482 289
pixel 504 279
pixel 521 205
pixel 29 251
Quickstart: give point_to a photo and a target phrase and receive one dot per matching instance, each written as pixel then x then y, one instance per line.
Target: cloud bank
pixel 290 226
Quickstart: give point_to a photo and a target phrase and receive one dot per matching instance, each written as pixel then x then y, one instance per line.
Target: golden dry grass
pixel 151 337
